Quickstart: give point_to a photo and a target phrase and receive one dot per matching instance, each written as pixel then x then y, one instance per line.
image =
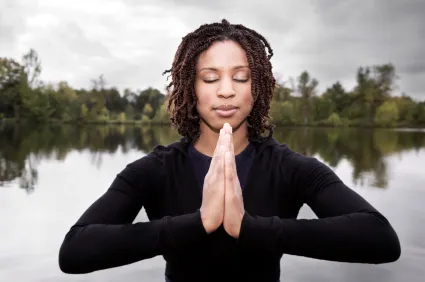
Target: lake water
pixel 50 175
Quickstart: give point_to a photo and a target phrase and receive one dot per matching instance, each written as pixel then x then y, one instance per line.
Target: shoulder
pixel 291 162
pixel 283 154
pixel 152 165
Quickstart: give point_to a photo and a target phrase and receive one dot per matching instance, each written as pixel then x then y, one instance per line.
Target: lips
pixel 226 107
pixel 226 110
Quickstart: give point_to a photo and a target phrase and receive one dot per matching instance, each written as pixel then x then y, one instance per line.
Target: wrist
pixel 238 227
pixel 208 226
pixel 258 233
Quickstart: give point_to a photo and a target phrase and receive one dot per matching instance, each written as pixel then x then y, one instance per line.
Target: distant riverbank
pixel 351 124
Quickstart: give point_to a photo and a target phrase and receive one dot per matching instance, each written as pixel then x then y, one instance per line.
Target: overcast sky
pixel 132 42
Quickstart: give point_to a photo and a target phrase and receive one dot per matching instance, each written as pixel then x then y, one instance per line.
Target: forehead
pixel 223 55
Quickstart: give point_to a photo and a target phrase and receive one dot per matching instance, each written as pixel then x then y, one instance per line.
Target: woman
pixel 223 201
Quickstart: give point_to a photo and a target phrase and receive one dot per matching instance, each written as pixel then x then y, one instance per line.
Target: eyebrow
pixel 216 69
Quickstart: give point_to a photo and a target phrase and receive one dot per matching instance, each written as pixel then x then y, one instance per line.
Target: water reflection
pixel 59 167
pixel 23 147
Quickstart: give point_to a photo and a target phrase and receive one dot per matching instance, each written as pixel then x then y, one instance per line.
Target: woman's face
pixel 223 85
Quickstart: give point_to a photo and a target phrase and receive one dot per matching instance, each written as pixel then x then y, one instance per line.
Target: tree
pixel 148 111
pixel 10 79
pixel 385 76
pixel 32 68
pixel 387 114
pixel 282 93
pixel 13 87
pixel 99 83
pixel 337 94
pixel 307 89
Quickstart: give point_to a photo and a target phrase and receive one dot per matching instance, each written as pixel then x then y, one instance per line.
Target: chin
pixel 233 122
pixel 216 123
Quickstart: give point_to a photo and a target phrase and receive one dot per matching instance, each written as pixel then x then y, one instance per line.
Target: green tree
pixel 148 111
pixel 387 114
pixel 307 89
pixel 10 80
pixel 281 93
pixel 334 120
pixel 32 68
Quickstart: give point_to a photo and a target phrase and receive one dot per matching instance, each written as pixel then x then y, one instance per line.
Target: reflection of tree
pixel 9 170
pixel 23 147
pixel 29 175
pixel 365 149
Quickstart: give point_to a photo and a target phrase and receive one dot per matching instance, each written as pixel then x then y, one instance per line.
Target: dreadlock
pixel 182 99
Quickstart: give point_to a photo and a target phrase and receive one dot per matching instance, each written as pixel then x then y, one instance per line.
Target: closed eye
pixel 237 80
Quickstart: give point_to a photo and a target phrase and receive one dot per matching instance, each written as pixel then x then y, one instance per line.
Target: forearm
pixel 357 237
pixel 92 247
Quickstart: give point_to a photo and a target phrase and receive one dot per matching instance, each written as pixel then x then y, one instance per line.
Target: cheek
pixel 248 99
pixel 203 100
pixel 203 97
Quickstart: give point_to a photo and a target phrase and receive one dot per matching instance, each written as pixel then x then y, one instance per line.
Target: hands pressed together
pixel 222 201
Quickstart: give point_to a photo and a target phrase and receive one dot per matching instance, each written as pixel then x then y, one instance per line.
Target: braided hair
pixel 182 98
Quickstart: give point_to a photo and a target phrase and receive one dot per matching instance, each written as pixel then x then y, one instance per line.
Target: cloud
pixel 374 33
pixel 12 22
pixel 132 42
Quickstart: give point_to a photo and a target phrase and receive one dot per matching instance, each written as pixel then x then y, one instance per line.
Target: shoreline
pixel 12 121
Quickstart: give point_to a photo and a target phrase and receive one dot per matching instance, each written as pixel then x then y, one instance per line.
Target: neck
pixel 207 141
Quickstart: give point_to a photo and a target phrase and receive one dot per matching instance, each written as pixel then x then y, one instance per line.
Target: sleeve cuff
pixel 184 230
pixel 258 233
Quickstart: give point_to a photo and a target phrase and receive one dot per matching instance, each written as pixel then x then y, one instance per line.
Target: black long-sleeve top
pixel 279 182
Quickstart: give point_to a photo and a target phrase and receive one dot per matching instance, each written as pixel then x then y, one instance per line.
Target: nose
pixel 225 89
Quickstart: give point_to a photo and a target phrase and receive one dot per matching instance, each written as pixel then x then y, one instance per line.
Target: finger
pixel 232 151
pixel 229 176
pixel 226 143
pixel 231 145
pixel 215 156
pixel 229 131
pixel 231 148
pixel 220 139
pixel 228 169
pixel 219 159
pixel 225 139
pixel 228 128
pixel 219 162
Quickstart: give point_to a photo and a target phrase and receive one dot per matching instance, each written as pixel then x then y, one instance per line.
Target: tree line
pixel 24 97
